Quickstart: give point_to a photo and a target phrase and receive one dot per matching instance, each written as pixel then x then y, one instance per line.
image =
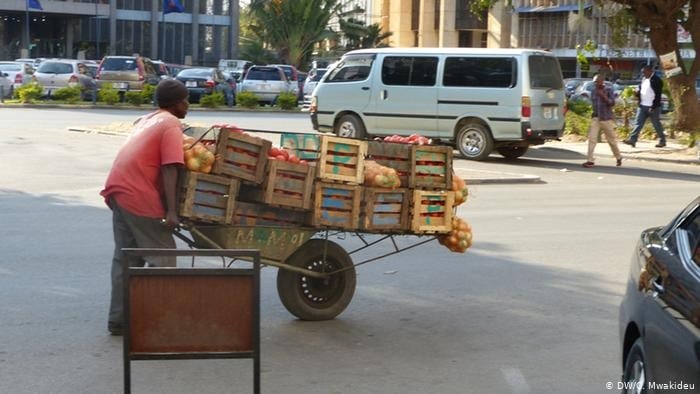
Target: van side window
pixel 409 71
pixel 480 72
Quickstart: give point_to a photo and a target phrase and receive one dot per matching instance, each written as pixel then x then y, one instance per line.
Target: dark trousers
pixel 132 231
pixel 641 118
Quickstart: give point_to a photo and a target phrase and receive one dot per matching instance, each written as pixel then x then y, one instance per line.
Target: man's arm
pixel 657 85
pixel 169 172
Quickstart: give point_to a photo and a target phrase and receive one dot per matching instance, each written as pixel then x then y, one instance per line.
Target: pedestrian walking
pixel 649 96
pixel 603 100
pixel 141 190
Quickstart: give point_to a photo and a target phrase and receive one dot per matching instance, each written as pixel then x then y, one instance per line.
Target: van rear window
pixel 545 72
pixel 492 72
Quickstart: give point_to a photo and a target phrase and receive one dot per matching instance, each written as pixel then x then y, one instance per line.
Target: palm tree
pixel 293 27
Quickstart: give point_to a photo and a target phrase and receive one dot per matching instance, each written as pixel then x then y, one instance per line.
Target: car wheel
pixel 474 141
pixel 350 126
pixel 512 152
pixel 634 377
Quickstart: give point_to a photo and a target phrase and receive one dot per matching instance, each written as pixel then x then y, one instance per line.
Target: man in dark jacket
pixel 649 95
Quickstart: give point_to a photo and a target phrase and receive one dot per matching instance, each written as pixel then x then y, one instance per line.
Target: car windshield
pixel 265 74
pixel 195 72
pixel 118 64
pixel 55 68
pixel 9 67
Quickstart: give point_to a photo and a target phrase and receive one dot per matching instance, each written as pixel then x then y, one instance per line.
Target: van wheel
pixel 474 141
pixel 512 152
pixel 350 126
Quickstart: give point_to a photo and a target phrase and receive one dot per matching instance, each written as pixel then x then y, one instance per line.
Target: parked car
pixel 56 74
pixel 162 69
pixel 236 67
pixel 201 81
pixel 660 311
pixel 19 73
pixel 265 81
pixel 585 90
pixel 570 85
pixel 5 85
pixel 125 73
pixel 292 76
pixel 312 80
pixel 176 68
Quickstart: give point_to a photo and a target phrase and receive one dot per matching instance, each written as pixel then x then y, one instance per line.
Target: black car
pixel 205 80
pixel 660 312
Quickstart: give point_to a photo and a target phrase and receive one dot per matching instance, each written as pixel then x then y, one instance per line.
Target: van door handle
pixel 365 88
pixel 384 94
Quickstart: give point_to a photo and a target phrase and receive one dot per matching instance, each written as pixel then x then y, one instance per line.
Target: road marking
pixel 516 380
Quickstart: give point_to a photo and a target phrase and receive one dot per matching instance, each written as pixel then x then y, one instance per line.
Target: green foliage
pixel 134 98
pixel 587 49
pixel 29 93
pixel 107 94
pixel 577 124
pixel 213 100
pixel 293 28
pixel 147 92
pixel 247 99
pixel 580 107
pixel 70 94
pixel 287 100
pixel 254 50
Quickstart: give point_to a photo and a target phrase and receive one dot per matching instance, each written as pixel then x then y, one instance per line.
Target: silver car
pixel 56 74
pixel 267 82
pixel 18 72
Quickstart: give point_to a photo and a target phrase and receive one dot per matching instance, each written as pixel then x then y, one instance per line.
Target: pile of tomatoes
pixel 198 156
pixel 377 175
pixel 415 139
pixel 460 238
pixel 282 154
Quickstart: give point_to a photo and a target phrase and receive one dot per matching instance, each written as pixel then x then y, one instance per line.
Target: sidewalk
pixel 674 152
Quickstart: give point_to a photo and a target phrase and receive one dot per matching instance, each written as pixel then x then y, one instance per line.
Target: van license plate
pixel 549 112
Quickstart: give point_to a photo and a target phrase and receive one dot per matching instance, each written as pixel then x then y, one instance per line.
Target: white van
pixel 474 98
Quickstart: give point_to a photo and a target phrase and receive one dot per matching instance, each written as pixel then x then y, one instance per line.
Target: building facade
pixel 555 25
pixel 205 32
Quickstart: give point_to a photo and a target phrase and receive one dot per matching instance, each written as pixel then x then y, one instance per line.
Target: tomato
pixel 285 153
pixel 281 157
pixel 293 159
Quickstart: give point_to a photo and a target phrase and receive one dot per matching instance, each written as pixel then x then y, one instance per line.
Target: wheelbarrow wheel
pixel 311 298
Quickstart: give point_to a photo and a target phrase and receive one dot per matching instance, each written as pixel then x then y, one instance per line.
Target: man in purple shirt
pixel 603 102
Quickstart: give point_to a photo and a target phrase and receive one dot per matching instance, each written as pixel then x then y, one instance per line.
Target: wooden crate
pixel 341 159
pixel 304 146
pixel 392 155
pixel 207 198
pixel 431 167
pixel 241 156
pixel 431 211
pixel 385 210
pixel 286 185
pixel 257 214
pixel 336 205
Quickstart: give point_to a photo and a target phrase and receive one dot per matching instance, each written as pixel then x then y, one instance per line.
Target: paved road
pixel 531 308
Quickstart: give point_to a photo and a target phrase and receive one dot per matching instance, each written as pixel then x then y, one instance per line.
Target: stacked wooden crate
pixel 426 172
pixel 338 190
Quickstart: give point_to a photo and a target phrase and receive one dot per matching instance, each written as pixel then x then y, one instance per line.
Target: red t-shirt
pixel 135 180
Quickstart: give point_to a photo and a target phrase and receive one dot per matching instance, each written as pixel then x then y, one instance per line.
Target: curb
pixel 482 177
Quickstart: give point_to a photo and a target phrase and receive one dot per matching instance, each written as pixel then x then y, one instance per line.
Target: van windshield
pixel 351 68
pixel 545 72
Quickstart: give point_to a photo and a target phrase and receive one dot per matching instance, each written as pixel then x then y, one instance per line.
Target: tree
pixel 658 20
pixel 358 35
pixel 293 27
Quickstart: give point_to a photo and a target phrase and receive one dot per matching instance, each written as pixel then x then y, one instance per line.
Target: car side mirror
pixel 5 75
